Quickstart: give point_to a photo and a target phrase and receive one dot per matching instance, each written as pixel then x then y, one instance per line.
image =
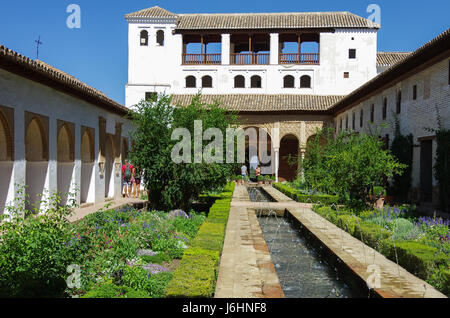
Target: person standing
pixel 244 171
pixel 127 174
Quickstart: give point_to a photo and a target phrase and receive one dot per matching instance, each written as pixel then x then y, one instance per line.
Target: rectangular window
pixel 352 54
pixel 341 123
pixel 372 113
pixel 354 121
pixel 346 75
pixel 346 122
pixel 414 92
pixel 384 108
pixel 399 102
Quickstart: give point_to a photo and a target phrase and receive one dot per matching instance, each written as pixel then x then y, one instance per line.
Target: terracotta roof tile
pixel 49 75
pixel 264 102
pixel 291 20
pixel 391 58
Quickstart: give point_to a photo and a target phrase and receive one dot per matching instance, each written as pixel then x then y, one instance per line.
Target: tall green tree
pixel 349 164
pixel 176 184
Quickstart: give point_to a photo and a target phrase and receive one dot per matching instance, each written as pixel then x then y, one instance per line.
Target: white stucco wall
pixel 24 95
pixel 155 68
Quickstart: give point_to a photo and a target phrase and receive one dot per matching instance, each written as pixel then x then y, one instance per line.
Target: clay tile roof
pixel 391 58
pixel 263 102
pixel 226 21
pixel 48 75
pixel 294 20
pixel 153 12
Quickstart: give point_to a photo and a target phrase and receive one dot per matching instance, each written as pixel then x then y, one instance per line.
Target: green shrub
pixel 210 236
pixel 194 278
pixel 404 230
pixel 139 279
pixel 35 251
pixel 417 258
pixel 110 290
pixel 348 223
pixel 372 234
pixel 306 198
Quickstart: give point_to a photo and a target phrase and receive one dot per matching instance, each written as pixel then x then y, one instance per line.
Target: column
pixel 20 164
pixel 300 165
pixel 226 49
pixel 100 138
pixel 274 48
pixel 277 162
pixel 77 167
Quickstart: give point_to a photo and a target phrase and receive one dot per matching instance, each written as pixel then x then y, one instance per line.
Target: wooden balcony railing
pixel 197 59
pixel 250 58
pixel 303 58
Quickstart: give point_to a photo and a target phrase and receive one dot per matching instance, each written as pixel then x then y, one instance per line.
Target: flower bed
pixel 306 198
pixel 197 274
pixel 127 253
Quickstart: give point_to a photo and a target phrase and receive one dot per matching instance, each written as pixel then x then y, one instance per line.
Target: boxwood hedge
pixel 197 274
pixel 306 198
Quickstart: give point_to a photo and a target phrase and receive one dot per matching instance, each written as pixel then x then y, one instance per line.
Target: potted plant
pixel 267 180
pixel 260 180
pixel 253 175
pixel 272 180
pixel 237 179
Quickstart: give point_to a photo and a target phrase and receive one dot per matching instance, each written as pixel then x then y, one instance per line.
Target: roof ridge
pixel 55 74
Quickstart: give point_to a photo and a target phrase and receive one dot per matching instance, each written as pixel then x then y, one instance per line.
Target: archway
pixel 36 154
pixel 109 167
pixel 66 164
pixel 6 160
pixel 87 167
pixel 258 150
pixel 289 151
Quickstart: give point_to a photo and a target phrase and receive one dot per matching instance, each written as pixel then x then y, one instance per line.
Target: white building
pixel 57 134
pixel 323 53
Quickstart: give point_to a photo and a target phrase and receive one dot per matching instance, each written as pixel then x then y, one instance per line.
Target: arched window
pixel 207 81
pixel 191 82
pixel 289 81
pixel 305 81
pixel 256 81
pixel 144 38
pixel 239 81
pixel 160 37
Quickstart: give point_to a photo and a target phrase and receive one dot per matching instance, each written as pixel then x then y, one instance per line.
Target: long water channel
pixel 301 270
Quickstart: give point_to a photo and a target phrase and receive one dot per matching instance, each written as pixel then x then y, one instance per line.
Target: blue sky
pixel 98 55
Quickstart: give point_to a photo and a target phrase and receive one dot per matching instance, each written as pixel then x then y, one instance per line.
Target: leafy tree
pixel 170 184
pixel 349 164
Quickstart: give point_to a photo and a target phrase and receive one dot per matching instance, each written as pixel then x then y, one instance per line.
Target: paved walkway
pixel 82 212
pixel 246 269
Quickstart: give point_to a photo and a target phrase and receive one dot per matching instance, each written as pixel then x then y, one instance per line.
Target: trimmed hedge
pixel 306 198
pixel 197 274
